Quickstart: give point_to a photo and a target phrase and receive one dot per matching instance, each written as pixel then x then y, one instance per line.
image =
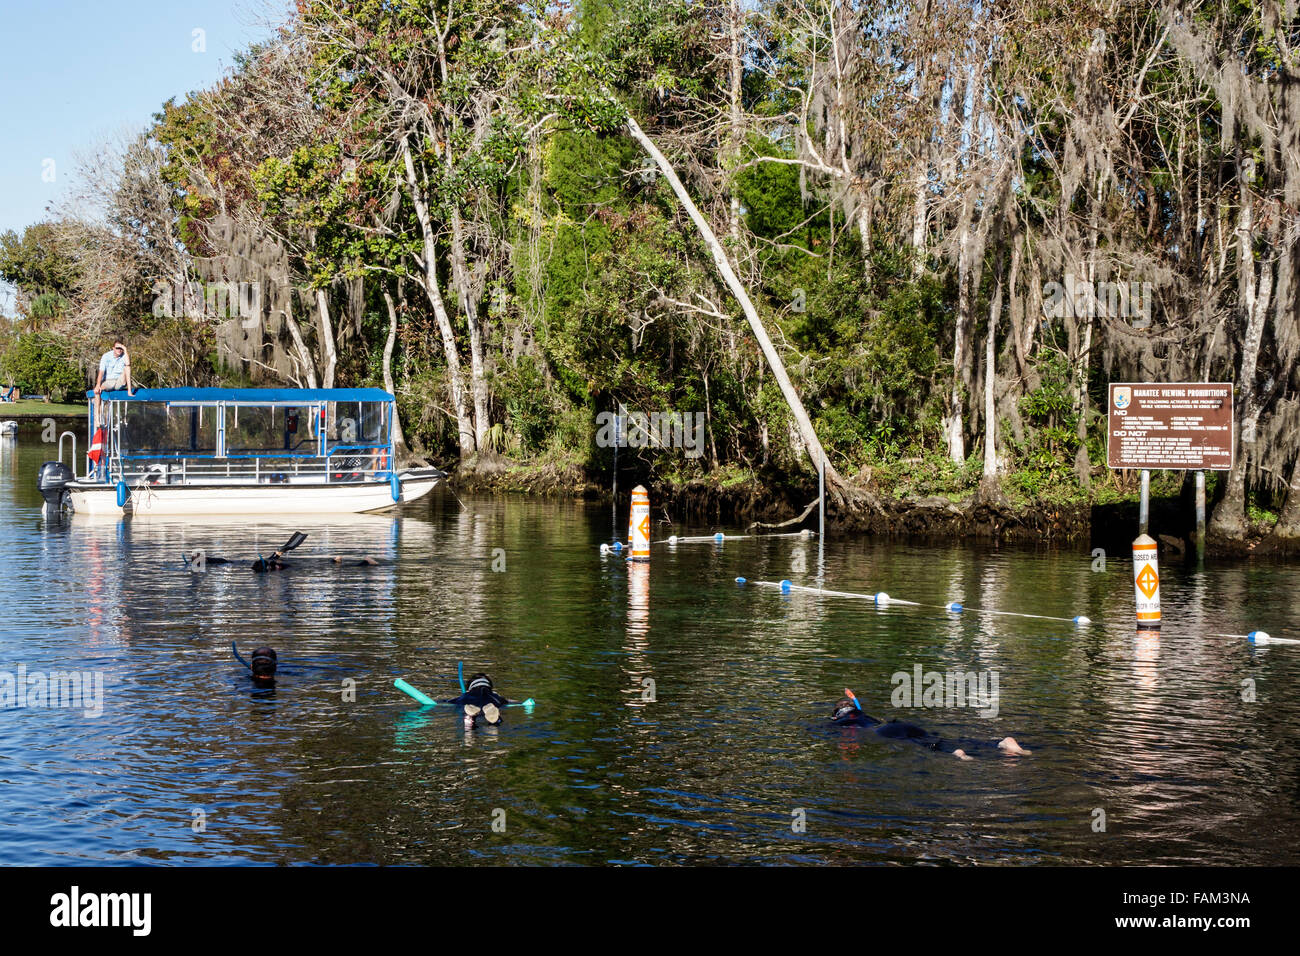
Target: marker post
pixel 638 526
pixel 821 518
pixel 1146 582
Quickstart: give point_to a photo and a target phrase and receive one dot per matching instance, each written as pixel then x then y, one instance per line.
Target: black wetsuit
pixel 893 729
pixel 479 697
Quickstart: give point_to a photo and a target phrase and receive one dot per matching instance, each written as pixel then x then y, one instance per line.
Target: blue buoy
pixel 740 580
pixel 618 546
pixel 785 586
pixel 1257 637
pixel 954 607
pixel 395 487
pixel 719 536
pixel 123 492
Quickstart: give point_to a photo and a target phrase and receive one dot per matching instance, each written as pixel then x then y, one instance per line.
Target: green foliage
pixel 1049 408
pixel 41 363
pixel 531 409
pixel 37 265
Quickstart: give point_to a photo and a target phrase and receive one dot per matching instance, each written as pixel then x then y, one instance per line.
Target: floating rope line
pixel 1260 637
pixel 881 599
pixel 717 538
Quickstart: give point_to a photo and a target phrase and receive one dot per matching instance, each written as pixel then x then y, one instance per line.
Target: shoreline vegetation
pixel 914 242
pixel 911 508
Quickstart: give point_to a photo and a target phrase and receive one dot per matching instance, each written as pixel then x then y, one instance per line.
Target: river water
pixel 680 718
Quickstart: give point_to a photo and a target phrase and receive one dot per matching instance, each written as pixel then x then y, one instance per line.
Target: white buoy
pixel 1146 582
pixel 638 528
pixel 882 598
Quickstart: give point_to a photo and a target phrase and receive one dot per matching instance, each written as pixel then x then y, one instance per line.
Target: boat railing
pixel 342 464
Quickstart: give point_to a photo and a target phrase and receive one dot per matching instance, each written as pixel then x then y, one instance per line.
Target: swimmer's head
pixel 480 682
pixel 263 665
pixel 844 708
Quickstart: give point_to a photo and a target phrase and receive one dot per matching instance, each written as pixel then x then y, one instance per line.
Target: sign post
pixel 1200 517
pixel 1144 503
pixel 1171 426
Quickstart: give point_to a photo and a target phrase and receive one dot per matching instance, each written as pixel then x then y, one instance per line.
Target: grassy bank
pixel 25 408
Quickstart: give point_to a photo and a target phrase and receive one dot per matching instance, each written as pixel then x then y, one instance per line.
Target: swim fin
pixel 297 539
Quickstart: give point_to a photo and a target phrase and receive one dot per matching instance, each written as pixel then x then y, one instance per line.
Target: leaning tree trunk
pixel 816 453
pixel 301 351
pixel 401 452
pixel 331 354
pixel 434 291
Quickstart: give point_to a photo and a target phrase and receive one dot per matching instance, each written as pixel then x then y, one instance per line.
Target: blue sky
pixel 75 72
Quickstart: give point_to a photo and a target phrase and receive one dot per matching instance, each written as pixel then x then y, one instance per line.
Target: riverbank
pixel 1106 517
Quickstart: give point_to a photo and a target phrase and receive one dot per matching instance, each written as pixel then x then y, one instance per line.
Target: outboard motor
pixel 52 480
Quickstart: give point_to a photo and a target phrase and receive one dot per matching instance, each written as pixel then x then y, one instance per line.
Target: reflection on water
pixel 680 718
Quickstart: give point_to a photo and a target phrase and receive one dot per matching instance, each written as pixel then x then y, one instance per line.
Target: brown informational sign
pixel 1170 425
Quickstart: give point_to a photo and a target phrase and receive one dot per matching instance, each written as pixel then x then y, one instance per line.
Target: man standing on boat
pixel 114 373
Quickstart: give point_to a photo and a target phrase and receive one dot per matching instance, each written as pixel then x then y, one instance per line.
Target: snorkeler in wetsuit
pixel 480 699
pixel 275 562
pixel 263 664
pixel 849 713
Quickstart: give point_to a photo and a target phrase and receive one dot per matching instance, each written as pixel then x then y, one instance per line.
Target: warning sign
pixel 1170 425
pixel 1148 581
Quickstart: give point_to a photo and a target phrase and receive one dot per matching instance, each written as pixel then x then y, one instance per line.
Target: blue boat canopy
pixel 252 396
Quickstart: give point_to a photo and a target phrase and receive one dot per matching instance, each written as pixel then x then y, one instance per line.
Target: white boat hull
pixel 249 499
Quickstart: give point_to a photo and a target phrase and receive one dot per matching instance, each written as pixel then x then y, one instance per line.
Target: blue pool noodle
pixel 414 694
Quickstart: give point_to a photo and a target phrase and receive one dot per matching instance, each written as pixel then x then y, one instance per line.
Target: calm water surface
pixel 732 751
